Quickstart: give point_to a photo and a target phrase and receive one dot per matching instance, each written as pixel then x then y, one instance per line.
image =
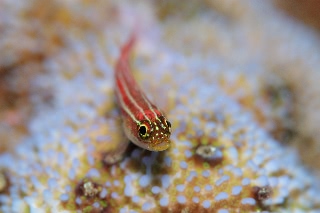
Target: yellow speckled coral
pixel 225 106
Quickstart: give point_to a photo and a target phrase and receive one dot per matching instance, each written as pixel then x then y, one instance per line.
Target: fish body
pixel 143 123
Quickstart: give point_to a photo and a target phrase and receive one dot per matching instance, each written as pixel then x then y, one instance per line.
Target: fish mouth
pixel 160 146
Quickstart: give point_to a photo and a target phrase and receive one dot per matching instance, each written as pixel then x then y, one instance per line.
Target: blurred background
pixel 60 54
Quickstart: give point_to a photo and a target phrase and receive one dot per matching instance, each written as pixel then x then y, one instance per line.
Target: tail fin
pixel 125 50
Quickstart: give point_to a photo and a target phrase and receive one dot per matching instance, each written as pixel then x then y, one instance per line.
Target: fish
pixel 143 122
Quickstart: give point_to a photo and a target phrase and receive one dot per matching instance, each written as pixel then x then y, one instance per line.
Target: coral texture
pixel 226 74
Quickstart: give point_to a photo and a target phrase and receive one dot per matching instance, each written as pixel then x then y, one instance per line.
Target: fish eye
pixel 143 131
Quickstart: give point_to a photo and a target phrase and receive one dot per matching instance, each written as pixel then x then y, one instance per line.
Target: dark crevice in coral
pixel 261 194
pixel 4 183
pixel 281 96
pixel 88 189
pixel 289 130
pixel 208 153
pixel 88 192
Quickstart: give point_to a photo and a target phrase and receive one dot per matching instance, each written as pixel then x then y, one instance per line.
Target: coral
pixel 230 113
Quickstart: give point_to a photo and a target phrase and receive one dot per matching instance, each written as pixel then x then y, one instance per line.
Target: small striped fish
pixel 144 124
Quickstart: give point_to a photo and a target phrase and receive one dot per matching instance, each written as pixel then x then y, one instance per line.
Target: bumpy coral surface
pixel 210 67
